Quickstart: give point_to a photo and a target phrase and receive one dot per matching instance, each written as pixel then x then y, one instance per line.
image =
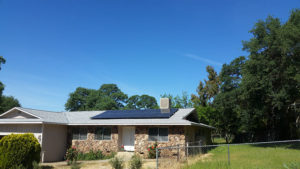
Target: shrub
pixel 152 150
pixel 18 167
pixel 19 150
pixel 110 155
pixel 98 155
pixel 75 166
pixel 136 162
pixel 36 165
pixel 117 163
pixel 71 155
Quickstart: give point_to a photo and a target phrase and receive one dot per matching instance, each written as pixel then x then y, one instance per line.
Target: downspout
pixel 42 147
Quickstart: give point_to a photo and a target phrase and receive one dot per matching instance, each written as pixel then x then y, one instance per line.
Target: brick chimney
pixel 165 103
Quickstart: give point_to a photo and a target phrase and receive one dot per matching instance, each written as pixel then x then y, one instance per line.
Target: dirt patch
pixel 164 163
pixel 203 157
pixel 103 164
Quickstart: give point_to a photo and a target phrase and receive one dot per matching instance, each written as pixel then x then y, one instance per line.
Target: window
pixel 158 134
pixel 79 134
pixel 103 133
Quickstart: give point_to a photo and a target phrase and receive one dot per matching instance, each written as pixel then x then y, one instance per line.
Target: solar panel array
pixel 136 114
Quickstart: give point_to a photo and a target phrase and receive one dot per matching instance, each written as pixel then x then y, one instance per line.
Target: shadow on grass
pixel 291 145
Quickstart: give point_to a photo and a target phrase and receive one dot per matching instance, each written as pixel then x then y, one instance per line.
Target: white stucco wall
pixel 36 129
pixel 54 142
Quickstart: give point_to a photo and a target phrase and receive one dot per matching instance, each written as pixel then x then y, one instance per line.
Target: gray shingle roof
pixel 43 116
pixel 84 118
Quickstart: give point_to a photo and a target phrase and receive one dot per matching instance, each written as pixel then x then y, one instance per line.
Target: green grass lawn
pixel 218 140
pixel 251 157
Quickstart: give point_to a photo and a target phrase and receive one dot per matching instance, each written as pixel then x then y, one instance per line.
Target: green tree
pixel 179 101
pixel 227 102
pixel 113 91
pixel 206 92
pixel 108 97
pixel 141 102
pixel 271 75
pixel 78 100
pixel 8 102
pixel 2 61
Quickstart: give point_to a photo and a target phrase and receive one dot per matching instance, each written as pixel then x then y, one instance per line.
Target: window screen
pixel 153 134
pixel 103 133
pixel 99 134
pixel 75 134
pixel 106 133
pixel 163 134
pixel 158 134
pixel 79 134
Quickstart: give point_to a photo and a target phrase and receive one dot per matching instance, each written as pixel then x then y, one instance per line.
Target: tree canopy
pixel 251 98
pixel 107 97
pixel 179 101
pixel 2 61
pixel 6 102
pixel 270 82
pixel 141 102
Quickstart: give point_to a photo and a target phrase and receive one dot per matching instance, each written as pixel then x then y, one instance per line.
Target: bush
pixel 152 151
pixel 19 150
pixel 110 155
pixel 36 165
pixel 136 162
pixel 71 155
pixel 18 167
pixel 117 163
pixel 98 155
pixel 75 166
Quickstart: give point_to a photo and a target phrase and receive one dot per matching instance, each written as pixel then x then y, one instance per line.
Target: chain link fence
pixel 281 152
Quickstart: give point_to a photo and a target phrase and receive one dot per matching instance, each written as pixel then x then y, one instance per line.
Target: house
pixel 108 131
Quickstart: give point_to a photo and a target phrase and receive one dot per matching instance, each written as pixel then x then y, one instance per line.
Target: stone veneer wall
pixel 176 136
pixel 106 146
pixel 196 133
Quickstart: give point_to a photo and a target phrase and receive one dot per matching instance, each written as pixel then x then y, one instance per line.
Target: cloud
pixel 195 57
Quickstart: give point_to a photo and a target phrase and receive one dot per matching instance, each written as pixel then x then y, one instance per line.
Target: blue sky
pixel 144 46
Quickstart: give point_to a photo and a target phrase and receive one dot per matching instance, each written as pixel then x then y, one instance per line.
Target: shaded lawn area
pixel 285 156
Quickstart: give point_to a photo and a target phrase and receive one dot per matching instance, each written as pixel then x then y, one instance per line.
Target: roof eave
pixel 128 124
pixel 21 122
pixel 20 109
pixel 202 125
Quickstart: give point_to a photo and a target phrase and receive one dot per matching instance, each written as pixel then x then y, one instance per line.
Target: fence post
pixel 187 150
pixel 177 152
pixel 228 154
pixel 200 144
pixel 156 158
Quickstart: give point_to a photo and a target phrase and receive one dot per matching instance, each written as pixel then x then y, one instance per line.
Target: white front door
pixel 128 138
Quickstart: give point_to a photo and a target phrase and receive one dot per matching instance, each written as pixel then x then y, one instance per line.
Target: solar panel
pixel 136 114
